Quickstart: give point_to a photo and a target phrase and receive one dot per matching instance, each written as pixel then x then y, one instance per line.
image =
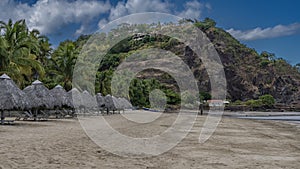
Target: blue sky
pixel 272 26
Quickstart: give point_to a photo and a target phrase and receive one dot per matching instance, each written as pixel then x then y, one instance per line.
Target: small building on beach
pixel 217 103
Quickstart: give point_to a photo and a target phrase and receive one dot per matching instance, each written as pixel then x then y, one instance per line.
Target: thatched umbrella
pixel 109 103
pixel 74 99
pixel 122 103
pixel 39 97
pixel 60 95
pixel 126 103
pixel 117 103
pixel 89 102
pixel 100 101
pixel 11 97
pixel 61 99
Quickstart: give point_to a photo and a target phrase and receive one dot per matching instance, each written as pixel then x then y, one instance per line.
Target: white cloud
pixel 83 28
pixel 271 32
pixel 208 6
pixel 137 6
pixel 50 15
pixel 102 22
pixel 192 9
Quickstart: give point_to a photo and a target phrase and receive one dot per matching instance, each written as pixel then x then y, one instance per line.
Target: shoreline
pixel 260 113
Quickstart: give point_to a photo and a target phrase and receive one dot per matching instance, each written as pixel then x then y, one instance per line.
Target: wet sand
pixel 237 143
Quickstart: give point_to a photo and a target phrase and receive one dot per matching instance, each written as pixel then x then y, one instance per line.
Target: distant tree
pixel 267 100
pixel 268 56
pixel 63 62
pixel 206 24
pixel 205 96
pixel 104 81
pixel 237 102
pixel 254 103
pixel 188 98
pixel 210 22
pixel 264 63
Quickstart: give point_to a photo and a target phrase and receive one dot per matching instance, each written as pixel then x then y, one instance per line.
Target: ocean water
pixel 284 118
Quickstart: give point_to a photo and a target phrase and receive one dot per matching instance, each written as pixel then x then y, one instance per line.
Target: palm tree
pixel 63 62
pixel 18 56
pixel 103 82
pixel 3 53
pixel 44 51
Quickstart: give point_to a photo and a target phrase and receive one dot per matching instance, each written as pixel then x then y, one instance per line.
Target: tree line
pixel 26 55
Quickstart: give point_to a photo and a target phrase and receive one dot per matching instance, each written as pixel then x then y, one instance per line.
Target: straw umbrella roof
pixel 117 103
pixel 39 96
pixel 88 100
pixel 123 103
pixel 100 100
pixel 11 97
pixel 109 103
pixel 60 95
pixel 74 98
pixel 126 103
pixel 120 103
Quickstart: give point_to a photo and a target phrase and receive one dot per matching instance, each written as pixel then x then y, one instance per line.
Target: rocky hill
pixel 248 73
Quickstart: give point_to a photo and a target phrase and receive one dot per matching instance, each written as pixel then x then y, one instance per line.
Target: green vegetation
pixel 22 52
pixel 140 89
pixel 188 97
pixel 267 101
pixel 61 65
pixel 254 103
pixel 206 24
pixel 205 96
pixel 26 55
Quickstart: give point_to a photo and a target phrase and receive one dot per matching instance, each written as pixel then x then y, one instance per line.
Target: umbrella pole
pixel 56 113
pixel 35 114
pixel 2 117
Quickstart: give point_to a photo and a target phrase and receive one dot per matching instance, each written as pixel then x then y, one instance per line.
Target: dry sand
pixel 237 143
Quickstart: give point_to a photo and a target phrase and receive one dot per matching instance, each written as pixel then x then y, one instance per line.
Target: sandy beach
pixel 237 143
